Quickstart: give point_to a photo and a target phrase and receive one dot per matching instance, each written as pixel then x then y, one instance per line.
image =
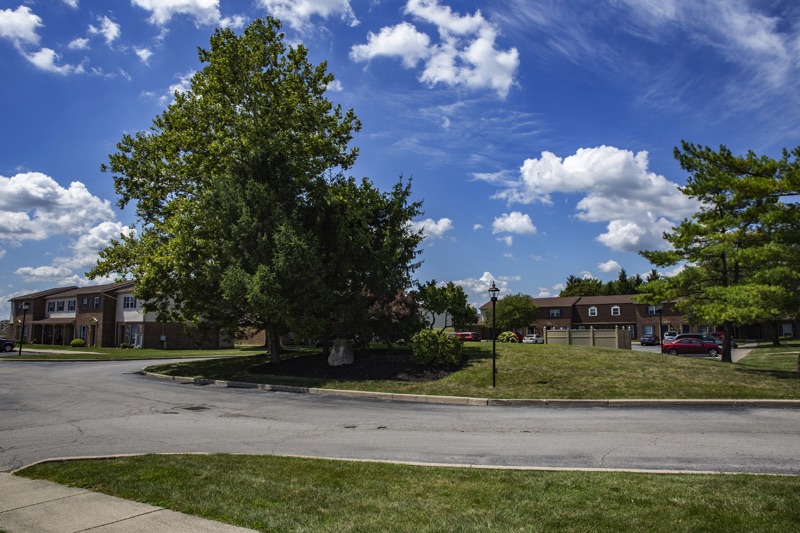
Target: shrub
pixel 508 336
pixel 124 345
pixel 77 343
pixel 429 347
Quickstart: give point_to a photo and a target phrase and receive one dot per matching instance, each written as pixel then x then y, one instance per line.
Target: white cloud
pixel 514 222
pixel 235 22
pixel 46 58
pixel 33 206
pixel 508 240
pixel 478 288
pixel 465 55
pixel 144 54
pixel 80 43
pixel 609 266
pixel 72 3
pixel 19 25
pixel 298 13
pixel 335 86
pixel 476 227
pixel 204 12
pixel 109 29
pixel 617 188
pixel 402 41
pixel 434 229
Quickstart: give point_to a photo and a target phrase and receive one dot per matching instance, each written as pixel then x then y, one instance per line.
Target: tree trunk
pixel 274 343
pixel 727 356
pixel 777 340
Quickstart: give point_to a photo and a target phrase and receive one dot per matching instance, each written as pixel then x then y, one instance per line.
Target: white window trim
pixel 593 311
pixel 615 311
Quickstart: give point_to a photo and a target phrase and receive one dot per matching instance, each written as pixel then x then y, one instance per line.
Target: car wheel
pixel 8 348
pixel 672 351
pixel 713 352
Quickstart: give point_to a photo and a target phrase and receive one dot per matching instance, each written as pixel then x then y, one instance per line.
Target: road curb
pixel 492 402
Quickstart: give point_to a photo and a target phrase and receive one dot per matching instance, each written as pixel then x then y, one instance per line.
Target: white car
pixel 532 339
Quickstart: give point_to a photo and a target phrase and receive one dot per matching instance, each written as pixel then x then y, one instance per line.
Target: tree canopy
pixel 448 301
pixel 514 311
pixel 588 286
pixel 741 250
pixel 244 217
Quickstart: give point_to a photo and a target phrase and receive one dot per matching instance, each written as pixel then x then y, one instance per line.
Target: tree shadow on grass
pixel 368 365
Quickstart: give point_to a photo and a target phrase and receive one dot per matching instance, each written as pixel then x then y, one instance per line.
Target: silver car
pixel 532 339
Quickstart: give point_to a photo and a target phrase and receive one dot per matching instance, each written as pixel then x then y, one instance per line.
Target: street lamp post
pixel 493 290
pixel 660 322
pixel 25 306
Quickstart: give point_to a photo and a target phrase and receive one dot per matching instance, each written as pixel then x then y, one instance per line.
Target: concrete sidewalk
pixel 31 506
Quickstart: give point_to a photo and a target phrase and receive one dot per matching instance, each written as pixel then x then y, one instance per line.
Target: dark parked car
pixel 6 345
pixel 689 345
pixel 649 340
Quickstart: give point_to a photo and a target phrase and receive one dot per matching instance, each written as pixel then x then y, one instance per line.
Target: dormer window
pixel 593 311
pixel 615 311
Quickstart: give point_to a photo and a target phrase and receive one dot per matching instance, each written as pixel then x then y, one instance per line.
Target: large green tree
pixel 448 301
pixel 740 250
pixel 238 189
pixel 514 311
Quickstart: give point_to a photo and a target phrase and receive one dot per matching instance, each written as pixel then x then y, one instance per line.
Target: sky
pixel 539 134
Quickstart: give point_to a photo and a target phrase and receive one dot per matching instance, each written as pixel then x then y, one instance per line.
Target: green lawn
pixel 292 494
pixel 118 354
pixel 534 371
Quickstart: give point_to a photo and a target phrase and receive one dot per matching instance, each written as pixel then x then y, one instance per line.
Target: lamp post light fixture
pixel 25 306
pixel 493 290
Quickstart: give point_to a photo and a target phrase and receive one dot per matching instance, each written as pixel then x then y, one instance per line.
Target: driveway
pixel 59 409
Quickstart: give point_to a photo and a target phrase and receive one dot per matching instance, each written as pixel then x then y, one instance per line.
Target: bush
pixel 124 345
pixel 77 343
pixel 429 347
pixel 508 336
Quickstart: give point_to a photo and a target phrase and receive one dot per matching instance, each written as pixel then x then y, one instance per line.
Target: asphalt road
pixel 57 409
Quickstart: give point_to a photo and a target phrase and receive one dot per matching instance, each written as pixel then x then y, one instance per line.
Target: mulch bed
pixel 369 365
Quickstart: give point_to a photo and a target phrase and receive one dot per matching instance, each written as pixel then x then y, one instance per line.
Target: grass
pixel 535 371
pixel 61 353
pixel 270 493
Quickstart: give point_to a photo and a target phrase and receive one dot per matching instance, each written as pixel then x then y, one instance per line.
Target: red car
pixel 690 346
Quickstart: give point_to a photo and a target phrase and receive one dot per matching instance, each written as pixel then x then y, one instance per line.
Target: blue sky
pixel 538 133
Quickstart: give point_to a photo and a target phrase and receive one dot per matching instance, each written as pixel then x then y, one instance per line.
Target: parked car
pixel 669 336
pixel 6 345
pixel 533 339
pixel 705 337
pixel 719 335
pixel 690 345
pixel 649 340
pixel 467 336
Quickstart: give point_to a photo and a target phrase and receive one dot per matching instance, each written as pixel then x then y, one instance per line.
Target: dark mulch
pixel 368 365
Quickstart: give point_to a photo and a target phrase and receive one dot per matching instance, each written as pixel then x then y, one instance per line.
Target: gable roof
pixel 43 294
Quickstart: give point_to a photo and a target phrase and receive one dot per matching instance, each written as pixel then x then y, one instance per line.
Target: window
pixel 615 311
pixel 652 309
pixel 555 313
pixel 592 311
pixel 51 306
pixel 129 302
pixel 97 302
pixel 648 330
pixel 60 306
pixel 82 332
pixel 71 305
pixel 85 303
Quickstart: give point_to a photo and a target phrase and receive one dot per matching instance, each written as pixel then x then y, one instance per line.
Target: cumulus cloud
pixel 617 188
pixel 46 59
pixel 609 266
pixel 81 43
pixel 298 13
pixel 464 55
pixel 33 206
pixel 72 3
pixel 183 84
pixel 432 229
pixel 109 29
pixel 478 288
pixel 508 240
pixel 204 12
pixel 144 54
pixel 20 25
pixel 514 222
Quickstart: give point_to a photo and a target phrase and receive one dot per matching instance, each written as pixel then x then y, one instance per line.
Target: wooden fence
pixel 604 338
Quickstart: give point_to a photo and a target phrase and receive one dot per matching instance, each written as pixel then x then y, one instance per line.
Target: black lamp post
pixel 660 322
pixel 25 306
pixel 493 290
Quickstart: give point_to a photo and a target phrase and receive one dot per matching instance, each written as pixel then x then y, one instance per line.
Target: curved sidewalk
pixel 33 505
